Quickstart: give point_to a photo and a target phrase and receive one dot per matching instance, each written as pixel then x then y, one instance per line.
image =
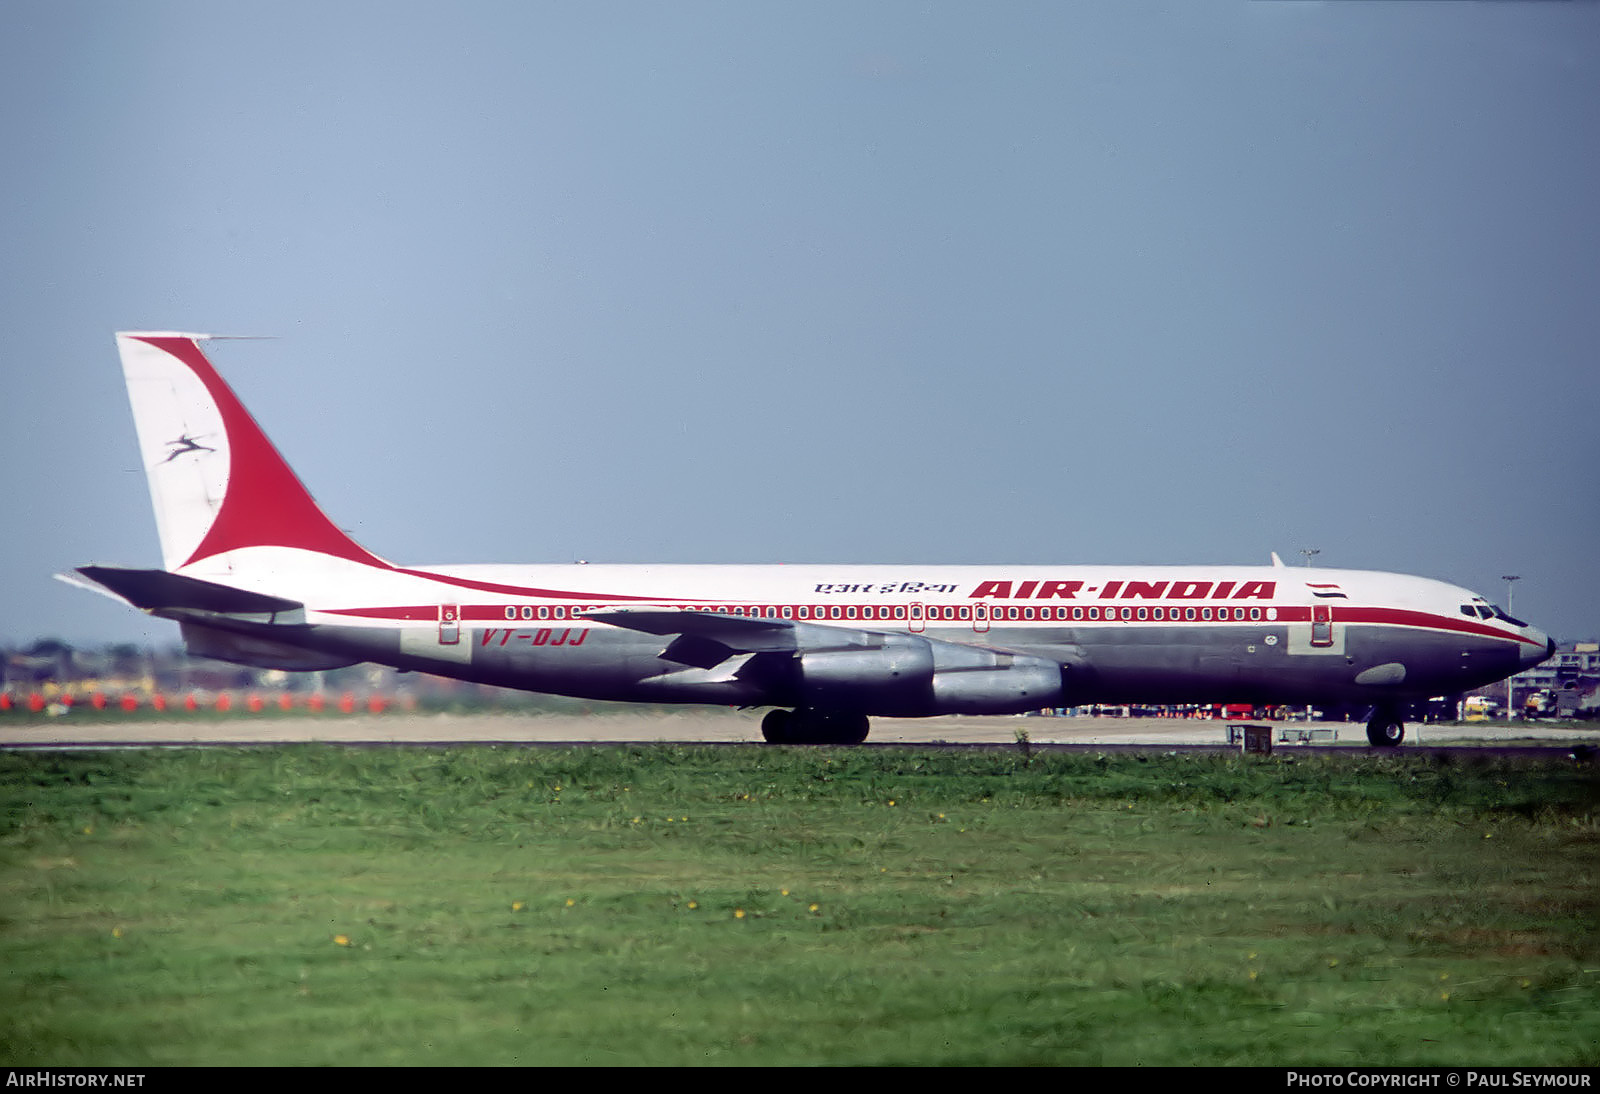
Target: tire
pixel 1385 732
pixel 777 727
pixel 811 727
pixel 849 729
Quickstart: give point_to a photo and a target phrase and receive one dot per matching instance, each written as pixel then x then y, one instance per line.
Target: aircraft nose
pixel 1532 654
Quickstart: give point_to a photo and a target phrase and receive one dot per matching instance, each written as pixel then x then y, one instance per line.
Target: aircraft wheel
pixel 833 728
pixel 851 728
pixel 812 727
pixel 777 727
pixel 1385 731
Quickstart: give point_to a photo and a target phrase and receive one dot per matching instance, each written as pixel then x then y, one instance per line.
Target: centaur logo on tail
pixel 254 572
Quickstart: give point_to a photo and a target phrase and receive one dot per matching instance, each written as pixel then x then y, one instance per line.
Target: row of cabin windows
pixel 935 612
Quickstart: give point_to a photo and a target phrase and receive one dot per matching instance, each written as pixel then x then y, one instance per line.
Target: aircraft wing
pixel 748 634
pixel 705 639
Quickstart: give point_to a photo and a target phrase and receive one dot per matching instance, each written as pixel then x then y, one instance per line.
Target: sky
pixel 892 282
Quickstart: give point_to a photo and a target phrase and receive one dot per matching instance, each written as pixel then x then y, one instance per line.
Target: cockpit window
pixel 1499 613
pixel 1484 612
pixel 1466 610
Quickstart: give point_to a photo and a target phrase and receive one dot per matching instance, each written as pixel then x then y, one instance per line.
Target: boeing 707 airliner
pixel 255 573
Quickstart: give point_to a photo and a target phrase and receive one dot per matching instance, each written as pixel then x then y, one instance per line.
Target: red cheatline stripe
pixel 1400 617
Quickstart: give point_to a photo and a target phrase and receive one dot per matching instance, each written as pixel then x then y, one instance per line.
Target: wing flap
pixel 742 633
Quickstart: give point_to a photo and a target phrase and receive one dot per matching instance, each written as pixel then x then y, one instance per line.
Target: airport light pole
pixel 1510 579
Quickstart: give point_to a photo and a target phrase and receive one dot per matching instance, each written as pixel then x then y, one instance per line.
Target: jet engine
pixel 909 676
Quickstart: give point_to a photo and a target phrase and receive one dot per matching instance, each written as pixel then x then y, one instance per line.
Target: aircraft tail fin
pixel 216 481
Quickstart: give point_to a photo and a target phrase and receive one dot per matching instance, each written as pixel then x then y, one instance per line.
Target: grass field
pixel 671 905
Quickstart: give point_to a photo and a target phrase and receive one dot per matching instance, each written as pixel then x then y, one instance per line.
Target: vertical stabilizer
pixel 217 483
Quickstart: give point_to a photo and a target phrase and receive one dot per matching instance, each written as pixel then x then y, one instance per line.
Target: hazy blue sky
pixel 853 282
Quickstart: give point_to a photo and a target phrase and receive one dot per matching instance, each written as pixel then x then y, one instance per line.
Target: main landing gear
pixel 1385 729
pixel 813 727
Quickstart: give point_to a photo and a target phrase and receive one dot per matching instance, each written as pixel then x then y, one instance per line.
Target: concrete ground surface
pixel 714 726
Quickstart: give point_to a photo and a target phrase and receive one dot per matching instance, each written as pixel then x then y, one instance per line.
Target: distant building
pixel 1564 684
pixel 1576 661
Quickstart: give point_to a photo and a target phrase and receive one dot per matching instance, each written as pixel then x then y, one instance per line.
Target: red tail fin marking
pixel 265 504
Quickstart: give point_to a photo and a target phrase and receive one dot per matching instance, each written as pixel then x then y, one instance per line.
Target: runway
pixel 724 727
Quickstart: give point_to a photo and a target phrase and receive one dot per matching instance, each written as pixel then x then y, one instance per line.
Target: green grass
pixel 673 905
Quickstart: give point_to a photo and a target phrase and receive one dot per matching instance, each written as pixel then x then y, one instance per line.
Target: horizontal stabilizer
pixel 158 590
